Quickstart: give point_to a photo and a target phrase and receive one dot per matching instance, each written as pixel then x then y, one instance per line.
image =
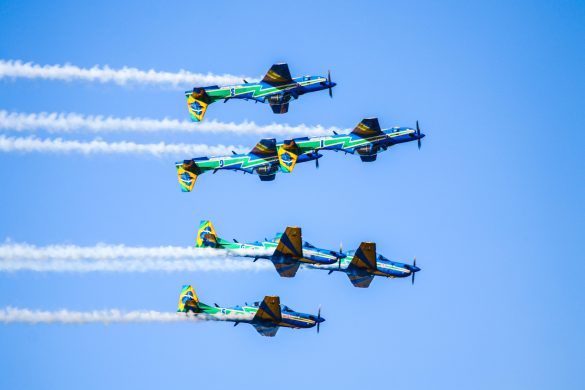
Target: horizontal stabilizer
pixel 278 74
pixel 269 310
pixel 367 128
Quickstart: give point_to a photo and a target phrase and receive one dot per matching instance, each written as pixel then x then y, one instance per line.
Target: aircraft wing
pixel 268 331
pixel 269 310
pixel 367 128
pixel 362 281
pixel 278 74
pixel 266 147
pixel 286 269
pixel 279 108
pixel 290 243
pixel 365 257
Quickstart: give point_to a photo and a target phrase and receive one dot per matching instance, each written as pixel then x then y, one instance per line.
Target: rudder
pixel 206 236
pixel 188 300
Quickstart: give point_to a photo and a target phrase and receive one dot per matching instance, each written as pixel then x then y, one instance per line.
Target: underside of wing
pixel 278 74
pixel 268 331
pixel 362 281
pixel 286 269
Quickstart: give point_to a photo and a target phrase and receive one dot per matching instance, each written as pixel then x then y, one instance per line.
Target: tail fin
pixel 197 102
pixel 288 154
pixel 206 236
pixel 188 300
pixel 187 172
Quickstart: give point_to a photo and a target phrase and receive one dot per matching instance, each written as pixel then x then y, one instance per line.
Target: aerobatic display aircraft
pixel 266 316
pixel 288 251
pixel 266 159
pixel 269 157
pixel 277 88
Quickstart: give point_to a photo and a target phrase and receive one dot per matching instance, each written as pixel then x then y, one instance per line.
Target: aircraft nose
pixel 320 319
pixel 332 84
pixel 414 268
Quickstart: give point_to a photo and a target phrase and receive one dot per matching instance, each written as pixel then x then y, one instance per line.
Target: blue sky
pixel 492 205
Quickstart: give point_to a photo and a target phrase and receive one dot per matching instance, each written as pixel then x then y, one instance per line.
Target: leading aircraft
pixel 269 157
pixel 266 316
pixel 276 88
pixel 288 252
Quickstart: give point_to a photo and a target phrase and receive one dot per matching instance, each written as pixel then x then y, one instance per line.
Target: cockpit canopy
pixel 286 308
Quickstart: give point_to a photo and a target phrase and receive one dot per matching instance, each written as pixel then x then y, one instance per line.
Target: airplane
pixel 266 159
pixel 277 88
pixel 269 157
pixel 288 251
pixel 266 316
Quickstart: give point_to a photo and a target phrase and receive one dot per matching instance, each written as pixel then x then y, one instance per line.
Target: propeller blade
pixel 318 319
pixel 418 134
pixel 340 251
pixel 317 163
pixel 413 273
pixel 329 80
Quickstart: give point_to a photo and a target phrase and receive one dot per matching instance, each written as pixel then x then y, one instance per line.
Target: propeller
pixel 418 134
pixel 329 80
pixel 340 251
pixel 318 318
pixel 413 273
pixel 317 163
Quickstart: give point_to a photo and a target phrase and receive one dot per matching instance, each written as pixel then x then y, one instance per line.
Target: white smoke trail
pixel 15 315
pixel 58 145
pixel 134 265
pixel 105 74
pixel 72 122
pixel 121 258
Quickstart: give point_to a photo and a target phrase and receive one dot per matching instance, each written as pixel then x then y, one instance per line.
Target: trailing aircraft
pixel 276 88
pixel 269 157
pixel 288 252
pixel 265 316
